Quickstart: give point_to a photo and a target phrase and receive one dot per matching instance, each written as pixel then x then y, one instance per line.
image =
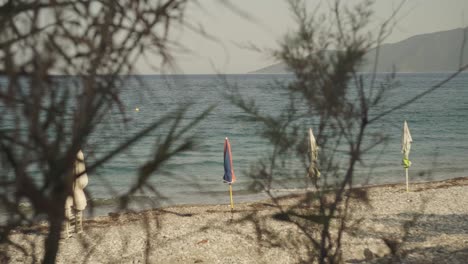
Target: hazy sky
pixel 271 19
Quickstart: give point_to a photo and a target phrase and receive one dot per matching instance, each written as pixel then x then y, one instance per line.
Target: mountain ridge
pixel 429 52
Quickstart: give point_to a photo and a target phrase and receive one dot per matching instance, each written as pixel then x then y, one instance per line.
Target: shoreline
pixel 287 193
pixel 262 197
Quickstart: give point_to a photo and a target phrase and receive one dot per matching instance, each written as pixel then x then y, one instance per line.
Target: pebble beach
pixel 429 224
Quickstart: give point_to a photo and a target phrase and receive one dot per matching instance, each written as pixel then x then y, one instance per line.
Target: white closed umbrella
pixel 406 141
pixel 313 171
pixel 76 203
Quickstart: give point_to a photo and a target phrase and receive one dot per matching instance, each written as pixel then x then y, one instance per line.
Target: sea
pixel 438 123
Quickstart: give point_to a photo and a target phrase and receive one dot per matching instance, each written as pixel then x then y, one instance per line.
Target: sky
pixel 221 32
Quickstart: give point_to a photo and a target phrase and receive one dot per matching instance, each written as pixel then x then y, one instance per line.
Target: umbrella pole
pixel 407 184
pixel 230 195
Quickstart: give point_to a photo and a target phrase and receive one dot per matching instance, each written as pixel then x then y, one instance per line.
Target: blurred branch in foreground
pixel 62 65
pixel 331 95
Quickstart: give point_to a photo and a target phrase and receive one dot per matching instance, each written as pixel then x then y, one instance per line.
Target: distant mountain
pixel 275 68
pixel 433 52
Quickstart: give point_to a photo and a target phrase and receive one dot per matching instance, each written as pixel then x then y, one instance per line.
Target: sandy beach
pixel 430 225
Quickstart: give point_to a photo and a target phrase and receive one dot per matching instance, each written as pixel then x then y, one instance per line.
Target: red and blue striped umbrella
pixel 229 175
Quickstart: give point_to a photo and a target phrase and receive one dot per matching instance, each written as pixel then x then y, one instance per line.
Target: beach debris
pixel 204 241
pixel 113 215
pixel 137 109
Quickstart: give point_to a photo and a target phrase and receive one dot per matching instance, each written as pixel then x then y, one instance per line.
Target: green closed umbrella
pixel 406 141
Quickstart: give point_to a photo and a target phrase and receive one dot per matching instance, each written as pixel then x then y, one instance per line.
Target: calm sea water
pixel 438 123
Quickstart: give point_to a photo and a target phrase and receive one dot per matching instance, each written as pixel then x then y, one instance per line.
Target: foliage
pixel 47 116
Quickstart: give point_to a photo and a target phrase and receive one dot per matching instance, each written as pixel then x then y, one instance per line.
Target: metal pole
pixel 407 184
pixel 230 194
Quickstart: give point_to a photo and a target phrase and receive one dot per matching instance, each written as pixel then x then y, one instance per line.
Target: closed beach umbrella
pixel 81 181
pixel 406 141
pixel 76 203
pixel 229 176
pixel 313 172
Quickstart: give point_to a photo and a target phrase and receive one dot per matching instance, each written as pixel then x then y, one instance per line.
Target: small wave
pixel 194 163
